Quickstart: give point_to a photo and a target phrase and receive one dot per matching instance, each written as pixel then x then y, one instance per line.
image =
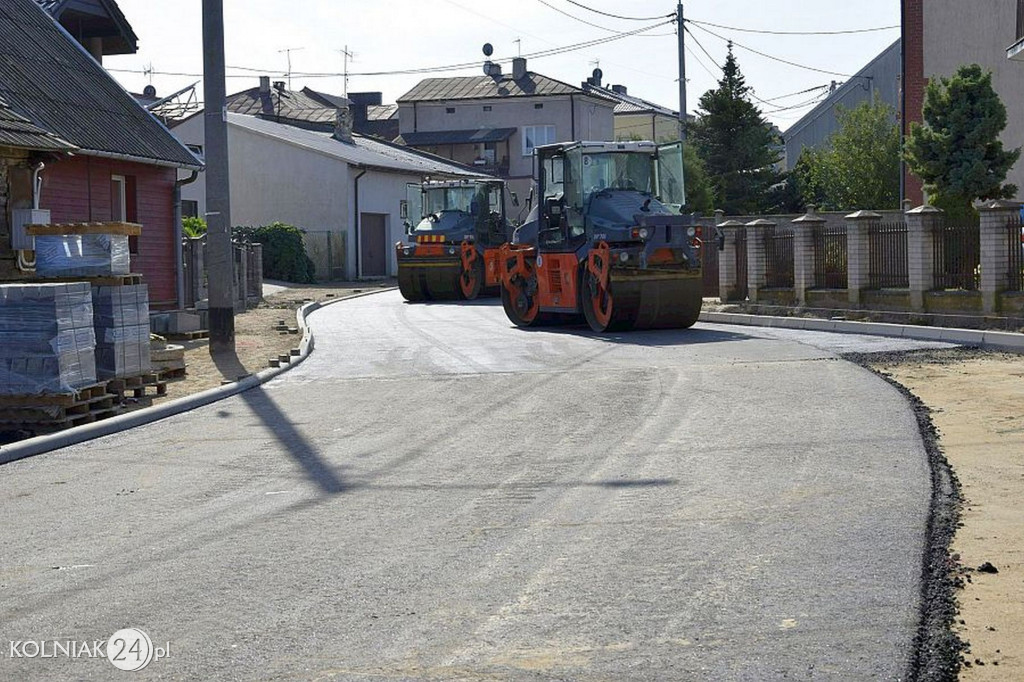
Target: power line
pixel 768 56
pixel 588 23
pixel 617 16
pixel 794 33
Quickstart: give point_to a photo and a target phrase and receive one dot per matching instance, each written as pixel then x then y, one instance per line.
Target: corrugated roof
pixel 475 136
pixel 282 105
pixel 47 78
pixel 327 99
pixel 628 104
pixel 485 87
pixel 18 131
pixel 381 112
pixel 364 151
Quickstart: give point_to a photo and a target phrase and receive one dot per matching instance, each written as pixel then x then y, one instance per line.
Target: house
pixel 99 155
pixel 99 25
pixel 274 102
pixel 347 191
pixel 493 122
pixel 941 35
pixel 636 118
pixel 878 78
pixel 369 115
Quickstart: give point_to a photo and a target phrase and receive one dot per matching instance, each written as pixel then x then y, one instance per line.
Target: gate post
pixel 995 259
pixel 858 255
pixel 728 274
pixel 921 224
pixel 804 228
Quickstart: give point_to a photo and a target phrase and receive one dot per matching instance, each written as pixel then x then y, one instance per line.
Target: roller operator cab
pixel 608 243
pixel 454 231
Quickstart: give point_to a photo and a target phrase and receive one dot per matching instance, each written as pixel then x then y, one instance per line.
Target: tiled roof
pixel 364 151
pixel 335 101
pixel 48 79
pixel 628 104
pixel 283 105
pixel 381 112
pixel 475 136
pixel 486 87
pixel 18 131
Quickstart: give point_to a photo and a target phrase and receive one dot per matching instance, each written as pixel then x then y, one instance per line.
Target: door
pixel 373 240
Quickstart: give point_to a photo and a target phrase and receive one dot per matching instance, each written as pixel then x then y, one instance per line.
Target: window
pixel 535 136
pixel 538 106
pixel 189 208
pixel 487 107
pixel 118 202
pixel 449 110
pixel 196 149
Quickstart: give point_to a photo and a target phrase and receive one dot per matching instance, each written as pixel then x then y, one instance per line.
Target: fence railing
pixel 956 255
pixel 887 256
pixel 778 248
pixel 1015 251
pixel 741 263
pixel 830 258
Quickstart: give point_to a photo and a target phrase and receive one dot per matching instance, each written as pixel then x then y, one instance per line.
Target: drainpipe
pixel 179 266
pixel 572 115
pixel 355 191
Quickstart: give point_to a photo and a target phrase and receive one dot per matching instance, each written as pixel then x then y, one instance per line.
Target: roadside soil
pixel 976 400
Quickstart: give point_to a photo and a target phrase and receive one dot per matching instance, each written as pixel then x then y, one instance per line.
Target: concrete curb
pixel 80 434
pixel 1006 341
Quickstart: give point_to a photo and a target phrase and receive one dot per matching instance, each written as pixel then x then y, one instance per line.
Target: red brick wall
pixel 78 190
pixel 913 83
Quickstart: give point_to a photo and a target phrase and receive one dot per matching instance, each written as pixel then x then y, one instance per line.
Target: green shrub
pixel 193 227
pixel 284 255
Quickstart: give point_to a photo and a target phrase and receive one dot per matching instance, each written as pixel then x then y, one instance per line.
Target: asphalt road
pixel 436 495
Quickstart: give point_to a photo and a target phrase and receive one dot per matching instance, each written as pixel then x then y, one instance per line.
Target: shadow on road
pixel 648 337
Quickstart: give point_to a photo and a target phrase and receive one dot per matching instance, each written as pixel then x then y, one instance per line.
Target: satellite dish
pixel 488 49
pixel 598 74
pixel 149 91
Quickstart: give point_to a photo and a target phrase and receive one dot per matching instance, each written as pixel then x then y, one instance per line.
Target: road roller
pixel 452 247
pixel 609 244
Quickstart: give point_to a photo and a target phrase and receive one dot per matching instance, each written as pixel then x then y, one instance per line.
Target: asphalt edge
pixel 993 340
pixel 936 650
pixel 79 434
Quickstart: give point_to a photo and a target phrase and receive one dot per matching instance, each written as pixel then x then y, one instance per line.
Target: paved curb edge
pixel 1007 341
pixel 79 434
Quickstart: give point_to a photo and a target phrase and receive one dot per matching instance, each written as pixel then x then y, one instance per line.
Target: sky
pixel 386 36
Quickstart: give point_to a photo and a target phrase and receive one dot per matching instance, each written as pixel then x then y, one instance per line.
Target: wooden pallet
pixel 83 394
pixel 36 415
pixel 188 336
pixel 61 229
pixel 98 281
pixel 137 386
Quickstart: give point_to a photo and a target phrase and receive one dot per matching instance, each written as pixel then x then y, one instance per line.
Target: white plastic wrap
pixel 47 339
pixel 121 315
pixel 82 255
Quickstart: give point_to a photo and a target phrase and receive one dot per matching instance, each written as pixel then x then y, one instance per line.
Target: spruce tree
pixel 736 144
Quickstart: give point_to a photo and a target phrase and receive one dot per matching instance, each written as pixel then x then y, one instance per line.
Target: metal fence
pixel 709 257
pixel 741 263
pixel 778 248
pixel 327 251
pixel 956 255
pixel 887 256
pixel 1015 252
pixel 830 258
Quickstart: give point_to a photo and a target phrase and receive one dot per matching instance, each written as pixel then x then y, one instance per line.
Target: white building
pixel 348 195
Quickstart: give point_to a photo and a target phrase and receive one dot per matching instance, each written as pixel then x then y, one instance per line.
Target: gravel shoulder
pixel 976 400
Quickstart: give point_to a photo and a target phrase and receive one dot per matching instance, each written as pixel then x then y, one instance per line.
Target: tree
pixel 860 167
pixel 700 196
pixel 957 152
pixel 736 143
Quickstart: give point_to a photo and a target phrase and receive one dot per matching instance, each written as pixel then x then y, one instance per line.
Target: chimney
pixel 279 86
pixel 595 79
pixel 518 68
pixel 343 125
pixel 620 89
pixel 264 83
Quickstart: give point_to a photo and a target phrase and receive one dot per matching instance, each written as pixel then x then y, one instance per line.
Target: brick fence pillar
pixel 921 224
pixel 858 264
pixel 995 259
pixel 757 262
pixel 804 229
pixel 728 275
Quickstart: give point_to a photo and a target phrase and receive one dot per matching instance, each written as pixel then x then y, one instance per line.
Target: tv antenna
pixel 288 52
pixel 519 46
pixel 347 56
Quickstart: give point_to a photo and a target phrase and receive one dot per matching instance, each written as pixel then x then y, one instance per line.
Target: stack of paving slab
pixel 82 255
pixel 121 315
pixel 47 338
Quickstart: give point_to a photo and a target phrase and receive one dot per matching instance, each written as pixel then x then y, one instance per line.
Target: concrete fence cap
pixel 810 217
pixel 924 210
pixel 864 215
pixel 760 222
pixel 1000 205
pixel 731 223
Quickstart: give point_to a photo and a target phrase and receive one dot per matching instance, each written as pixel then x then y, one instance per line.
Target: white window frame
pixel 122 197
pixel 530 133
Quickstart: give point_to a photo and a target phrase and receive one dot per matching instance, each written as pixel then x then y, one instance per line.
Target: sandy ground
pixel 977 403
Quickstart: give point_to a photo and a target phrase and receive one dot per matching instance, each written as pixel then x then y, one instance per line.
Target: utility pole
pixel 682 72
pixel 220 266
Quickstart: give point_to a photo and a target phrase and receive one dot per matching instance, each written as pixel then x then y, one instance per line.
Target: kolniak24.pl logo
pixel 128 649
